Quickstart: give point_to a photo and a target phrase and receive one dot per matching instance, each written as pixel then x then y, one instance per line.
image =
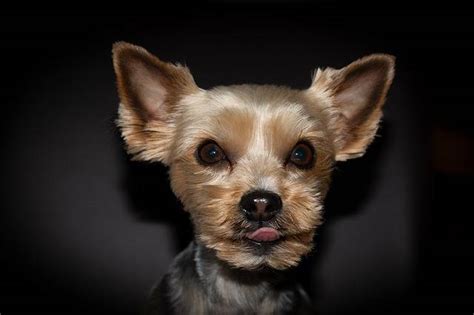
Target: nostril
pixel 247 205
pixel 260 205
pixel 273 203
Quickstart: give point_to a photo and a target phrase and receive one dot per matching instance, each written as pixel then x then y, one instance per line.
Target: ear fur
pixel 149 91
pixel 356 95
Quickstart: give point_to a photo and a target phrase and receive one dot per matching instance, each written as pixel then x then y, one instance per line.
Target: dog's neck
pixel 267 288
pixel 200 283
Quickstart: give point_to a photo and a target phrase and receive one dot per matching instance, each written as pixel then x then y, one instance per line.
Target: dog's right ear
pixel 149 91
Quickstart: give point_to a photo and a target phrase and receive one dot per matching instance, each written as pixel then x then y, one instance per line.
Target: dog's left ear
pixel 354 96
pixel 150 91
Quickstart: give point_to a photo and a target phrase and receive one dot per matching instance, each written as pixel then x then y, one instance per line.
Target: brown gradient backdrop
pixel 84 229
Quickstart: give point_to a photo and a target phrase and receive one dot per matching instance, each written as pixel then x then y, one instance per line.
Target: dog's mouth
pixel 264 235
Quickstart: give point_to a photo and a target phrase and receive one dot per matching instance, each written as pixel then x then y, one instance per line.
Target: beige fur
pixel 164 117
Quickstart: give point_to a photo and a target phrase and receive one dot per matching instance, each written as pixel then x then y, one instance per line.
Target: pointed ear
pixel 149 91
pixel 356 95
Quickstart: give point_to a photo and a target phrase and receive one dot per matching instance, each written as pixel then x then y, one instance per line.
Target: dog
pixel 252 166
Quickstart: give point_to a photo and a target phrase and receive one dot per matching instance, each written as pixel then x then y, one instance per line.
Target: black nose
pixel 260 205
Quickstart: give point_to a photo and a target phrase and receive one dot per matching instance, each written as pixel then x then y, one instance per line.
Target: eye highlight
pixel 302 155
pixel 209 153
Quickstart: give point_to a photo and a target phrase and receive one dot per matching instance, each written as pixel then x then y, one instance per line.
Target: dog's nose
pixel 260 205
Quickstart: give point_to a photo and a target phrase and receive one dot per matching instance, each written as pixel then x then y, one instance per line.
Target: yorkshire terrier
pixel 252 166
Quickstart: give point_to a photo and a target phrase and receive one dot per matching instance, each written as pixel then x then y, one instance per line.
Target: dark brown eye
pixel 302 155
pixel 210 153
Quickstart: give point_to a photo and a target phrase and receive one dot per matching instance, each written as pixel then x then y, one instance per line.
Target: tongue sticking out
pixel 264 234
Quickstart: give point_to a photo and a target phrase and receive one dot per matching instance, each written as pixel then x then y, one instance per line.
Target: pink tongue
pixel 264 234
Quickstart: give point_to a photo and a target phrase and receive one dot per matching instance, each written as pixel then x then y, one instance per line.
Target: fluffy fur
pixel 164 117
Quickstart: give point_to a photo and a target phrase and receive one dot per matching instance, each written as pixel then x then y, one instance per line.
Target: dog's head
pixel 250 163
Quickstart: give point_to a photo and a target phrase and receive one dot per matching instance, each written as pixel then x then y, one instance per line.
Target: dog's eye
pixel 302 155
pixel 210 153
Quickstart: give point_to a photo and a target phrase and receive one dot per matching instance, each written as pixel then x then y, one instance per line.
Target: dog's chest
pixel 197 285
pixel 231 298
pixel 244 298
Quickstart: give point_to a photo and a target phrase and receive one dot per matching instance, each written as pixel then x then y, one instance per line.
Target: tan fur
pixel 354 118
pixel 148 129
pixel 257 127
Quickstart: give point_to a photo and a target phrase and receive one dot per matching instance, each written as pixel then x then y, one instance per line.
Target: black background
pixel 80 226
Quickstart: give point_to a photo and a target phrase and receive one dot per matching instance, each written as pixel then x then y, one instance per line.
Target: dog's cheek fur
pixel 303 199
pixel 211 203
pixel 213 210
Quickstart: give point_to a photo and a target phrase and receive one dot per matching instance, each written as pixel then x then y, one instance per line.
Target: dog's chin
pixel 280 254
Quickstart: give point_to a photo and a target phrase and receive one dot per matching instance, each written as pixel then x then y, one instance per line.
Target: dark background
pixel 84 229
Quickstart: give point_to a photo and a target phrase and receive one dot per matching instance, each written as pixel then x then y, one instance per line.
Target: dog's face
pixel 250 163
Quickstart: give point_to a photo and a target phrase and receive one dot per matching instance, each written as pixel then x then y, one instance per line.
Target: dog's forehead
pixel 251 101
pixel 239 116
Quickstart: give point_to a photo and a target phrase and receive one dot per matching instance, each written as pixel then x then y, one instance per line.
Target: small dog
pixel 252 165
